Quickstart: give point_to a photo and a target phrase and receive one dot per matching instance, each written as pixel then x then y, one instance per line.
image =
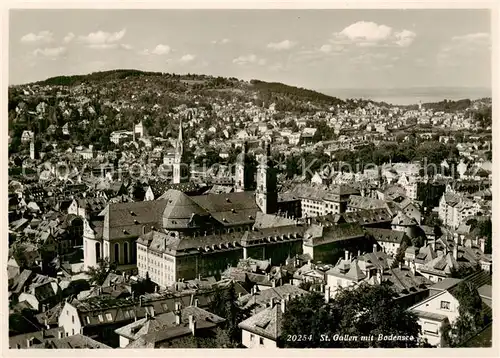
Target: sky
pixel 317 49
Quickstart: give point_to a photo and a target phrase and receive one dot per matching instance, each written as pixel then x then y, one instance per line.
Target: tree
pixel 400 254
pixel 471 319
pixel 371 311
pixel 308 316
pixel 366 311
pixel 417 241
pixel 224 304
pixel 98 274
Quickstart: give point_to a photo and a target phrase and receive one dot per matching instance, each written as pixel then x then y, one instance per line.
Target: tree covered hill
pixel 285 97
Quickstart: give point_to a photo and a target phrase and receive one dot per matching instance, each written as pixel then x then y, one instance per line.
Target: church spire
pixel 180 144
pixel 178 162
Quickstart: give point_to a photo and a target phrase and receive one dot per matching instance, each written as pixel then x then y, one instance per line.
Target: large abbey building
pixel 181 237
pixel 133 234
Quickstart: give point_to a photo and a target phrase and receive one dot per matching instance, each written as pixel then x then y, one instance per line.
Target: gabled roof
pixel 77 341
pixel 401 219
pixel 166 323
pixel 386 235
pixel 264 297
pixel 266 323
pixel 347 269
pixel 36 337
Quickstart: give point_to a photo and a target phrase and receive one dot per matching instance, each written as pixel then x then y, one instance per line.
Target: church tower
pixel 179 151
pixel 244 172
pixel 32 149
pixel 266 194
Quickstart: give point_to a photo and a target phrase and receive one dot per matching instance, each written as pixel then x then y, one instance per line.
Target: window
pixel 430 328
pixel 72 319
pixel 117 252
pixel 73 332
pixel 109 317
pixel 261 341
pixel 445 305
pixel 101 319
pixel 97 251
pixel 252 337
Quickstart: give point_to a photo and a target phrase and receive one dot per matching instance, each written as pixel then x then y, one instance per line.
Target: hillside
pixel 287 98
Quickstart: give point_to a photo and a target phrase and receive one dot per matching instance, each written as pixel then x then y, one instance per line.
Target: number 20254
pixel 299 338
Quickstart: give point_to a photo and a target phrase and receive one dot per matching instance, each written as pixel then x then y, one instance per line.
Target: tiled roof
pixel 386 235
pixel 160 188
pixel 264 297
pixel 347 269
pixel 230 208
pixel 366 203
pixel 21 280
pixel 179 208
pixel 273 234
pixel 320 235
pixel 402 219
pixel 404 282
pixel 378 259
pixel 167 322
pixel 77 341
pixel 441 265
pixel 128 219
pixel 21 341
pixel 430 315
pixel 268 220
pixel 266 323
pixel 368 217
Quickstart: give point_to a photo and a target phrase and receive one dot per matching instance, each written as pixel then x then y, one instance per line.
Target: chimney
pixel 327 294
pixel 374 247
pixel 455 252
pixel 192 324
pixel 196 302
pixel 400 265
pixel 379 276
pixel 46 323
pixel 359 253
pixel 178 317
pixel 283 305
pixel 346 255
pixel 29 342
pixel 60 334
pixel 156 289
pixel 152 311
pixel 271 302
pixel 413 268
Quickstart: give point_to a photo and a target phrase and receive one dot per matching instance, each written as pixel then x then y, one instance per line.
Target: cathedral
pixel 180 236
